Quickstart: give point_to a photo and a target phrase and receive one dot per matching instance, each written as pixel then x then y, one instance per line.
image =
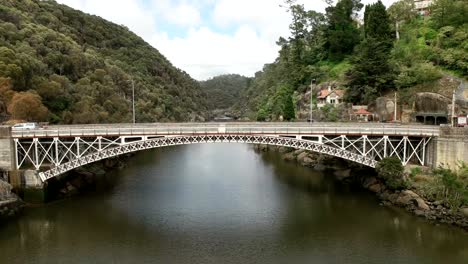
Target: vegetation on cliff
pixel 223 91
pixel 60 65
pixel 394 49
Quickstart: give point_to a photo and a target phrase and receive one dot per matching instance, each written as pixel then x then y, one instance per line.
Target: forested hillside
pixel 223 91
pixel 391 49
pixel 60 65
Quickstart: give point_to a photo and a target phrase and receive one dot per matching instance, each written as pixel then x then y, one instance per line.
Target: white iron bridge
pixel 55 150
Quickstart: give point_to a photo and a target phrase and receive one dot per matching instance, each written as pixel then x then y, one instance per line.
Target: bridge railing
pixel 229 128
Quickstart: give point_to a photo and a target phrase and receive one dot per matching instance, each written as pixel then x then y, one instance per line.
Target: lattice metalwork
pixel 55 156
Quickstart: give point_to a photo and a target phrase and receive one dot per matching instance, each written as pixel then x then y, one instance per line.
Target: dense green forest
pixel 223 91
pixel 392 49
pixel 60 65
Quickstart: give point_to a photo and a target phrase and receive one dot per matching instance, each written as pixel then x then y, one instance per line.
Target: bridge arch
pixel 151 143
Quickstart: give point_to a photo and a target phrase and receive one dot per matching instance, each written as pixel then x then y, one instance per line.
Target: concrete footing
pixel 28 185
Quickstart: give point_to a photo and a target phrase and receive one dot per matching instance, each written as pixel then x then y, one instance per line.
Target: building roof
pixel 362 112
pixel 326 93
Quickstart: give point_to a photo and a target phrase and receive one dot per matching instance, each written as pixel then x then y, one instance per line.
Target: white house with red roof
pixel 330 96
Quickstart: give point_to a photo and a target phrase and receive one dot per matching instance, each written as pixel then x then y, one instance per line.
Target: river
pixel 224 204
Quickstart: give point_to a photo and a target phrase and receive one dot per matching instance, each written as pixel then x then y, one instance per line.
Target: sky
pixel 205 38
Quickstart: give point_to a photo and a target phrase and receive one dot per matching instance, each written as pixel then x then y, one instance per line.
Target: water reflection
pixel 224 204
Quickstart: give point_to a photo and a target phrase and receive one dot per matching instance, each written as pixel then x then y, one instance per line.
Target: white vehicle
pixel 25 126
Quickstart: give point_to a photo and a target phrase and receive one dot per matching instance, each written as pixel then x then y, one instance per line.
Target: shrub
pixel 417 74
pixel 455 186
pixel 392 172
pixel 414 172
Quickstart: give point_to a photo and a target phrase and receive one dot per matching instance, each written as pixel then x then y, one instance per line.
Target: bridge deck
pixel 257 128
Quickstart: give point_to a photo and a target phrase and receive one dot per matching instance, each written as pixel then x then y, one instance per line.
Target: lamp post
pixel 453 109
pixel 133 100
pixel 312 84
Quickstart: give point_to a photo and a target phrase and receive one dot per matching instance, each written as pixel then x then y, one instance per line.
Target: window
pixel 332 101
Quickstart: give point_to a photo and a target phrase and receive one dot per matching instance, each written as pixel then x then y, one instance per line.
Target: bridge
pixel 54 150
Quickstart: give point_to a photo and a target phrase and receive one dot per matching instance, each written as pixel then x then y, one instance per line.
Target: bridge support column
pixel 7 149
pixel 28 185
pixel 450 148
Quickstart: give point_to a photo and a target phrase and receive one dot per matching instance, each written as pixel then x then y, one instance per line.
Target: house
pixel 362 115
pixel 422 6
pixel 329 96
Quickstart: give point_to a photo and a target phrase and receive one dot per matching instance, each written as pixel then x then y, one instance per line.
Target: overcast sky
pixel 205 38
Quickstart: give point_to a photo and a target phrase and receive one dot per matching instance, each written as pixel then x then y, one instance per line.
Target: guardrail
pixel 168 129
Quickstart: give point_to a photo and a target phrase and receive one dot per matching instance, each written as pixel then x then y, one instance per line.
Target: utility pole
pixel 453 108
pixel 396 108
pixel 311 99
pixel 133 100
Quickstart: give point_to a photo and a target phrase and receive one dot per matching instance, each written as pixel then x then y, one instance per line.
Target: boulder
pixel 376 188
pixel 410 193
pixel 464 211
pixel 5 190
pixel 404 199
pixel 301 156
pixel 284 149
pixel 384 107
pixel 342 174
pixel 369 182
pixel 289 156
pixel 422 204
pixel 308 162
pixel 299 152
pixel 419 212
pixel 431 103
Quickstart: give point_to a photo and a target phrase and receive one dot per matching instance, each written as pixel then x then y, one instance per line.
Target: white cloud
pixel 124 12
pixel 233 36
pixel 204 53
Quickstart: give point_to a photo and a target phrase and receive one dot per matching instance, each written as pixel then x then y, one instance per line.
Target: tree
pixel 449 13
pixel 377 24
pixel 27 106
pixel 289 112
pixel 342 33
pixel 372 72
pixel 401 11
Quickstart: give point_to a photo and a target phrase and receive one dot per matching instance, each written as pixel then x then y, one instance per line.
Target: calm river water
pixel 224 204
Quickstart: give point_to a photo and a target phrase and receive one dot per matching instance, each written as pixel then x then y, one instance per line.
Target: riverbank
pixel 10 204
pixel 436 211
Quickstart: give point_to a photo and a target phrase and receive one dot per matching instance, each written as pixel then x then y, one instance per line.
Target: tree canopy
pixel 81 68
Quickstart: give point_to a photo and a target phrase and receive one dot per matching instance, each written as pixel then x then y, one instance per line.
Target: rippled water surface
pixel 224 204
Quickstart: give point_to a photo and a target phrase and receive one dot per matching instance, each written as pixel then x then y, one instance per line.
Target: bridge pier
pixel 28 185
pixel 450 148
pixel 7 149
pixel 26 182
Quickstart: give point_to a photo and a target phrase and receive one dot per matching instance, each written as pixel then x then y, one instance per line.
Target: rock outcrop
pixel 431 103
pixel 10 204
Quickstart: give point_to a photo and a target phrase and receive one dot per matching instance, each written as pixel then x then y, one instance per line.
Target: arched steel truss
pixel 59 155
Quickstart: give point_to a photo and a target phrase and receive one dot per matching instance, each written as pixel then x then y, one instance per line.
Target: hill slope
pixel 223 91
pixel 77 68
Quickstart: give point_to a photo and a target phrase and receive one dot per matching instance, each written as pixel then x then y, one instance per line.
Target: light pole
pixel 453 109
pixel 312 84
pixel 133 100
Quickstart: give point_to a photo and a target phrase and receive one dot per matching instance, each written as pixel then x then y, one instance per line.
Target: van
pixel 25 126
